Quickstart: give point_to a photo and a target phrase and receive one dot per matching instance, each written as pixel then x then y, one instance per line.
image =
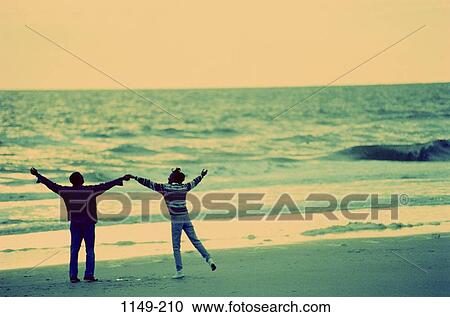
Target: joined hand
pixel 127 177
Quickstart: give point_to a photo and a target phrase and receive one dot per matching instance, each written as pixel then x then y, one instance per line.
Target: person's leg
pixel 177 227
pixel 89 241
pixel 190 232
pixel 76 236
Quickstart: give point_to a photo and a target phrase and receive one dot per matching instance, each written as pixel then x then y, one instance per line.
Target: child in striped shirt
pixel 174 193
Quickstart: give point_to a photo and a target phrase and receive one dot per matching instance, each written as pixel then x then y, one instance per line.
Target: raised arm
pixel 196 180
pixel 103 187
pixel 44 180
pixel 148 183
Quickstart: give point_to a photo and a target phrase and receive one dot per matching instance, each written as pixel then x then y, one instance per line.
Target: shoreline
pixel 127 241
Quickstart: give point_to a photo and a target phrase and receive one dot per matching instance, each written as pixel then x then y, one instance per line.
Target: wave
pixel 132 149
pixel 300 138
pixel 15 226
pixel 25 196
pixel 309 138
pixel 11 221
pixel 184 133
pixel 438 150
pixel 96 135
pixel 109 134
pixel 32 141
pixel 281 159
pixel 363 226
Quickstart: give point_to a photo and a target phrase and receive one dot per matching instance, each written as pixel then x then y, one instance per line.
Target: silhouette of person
pixel 174 193
pixel 81 205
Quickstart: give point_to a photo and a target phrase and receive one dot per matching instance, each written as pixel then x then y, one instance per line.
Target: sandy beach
pixel 301 258
pixel 401 266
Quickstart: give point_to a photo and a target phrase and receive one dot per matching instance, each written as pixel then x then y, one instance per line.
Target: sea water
pixel 231 132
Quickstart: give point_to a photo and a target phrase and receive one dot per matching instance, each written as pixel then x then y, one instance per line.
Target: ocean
pixel 382 138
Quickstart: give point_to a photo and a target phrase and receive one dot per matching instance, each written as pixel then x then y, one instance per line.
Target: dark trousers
pixel 78 233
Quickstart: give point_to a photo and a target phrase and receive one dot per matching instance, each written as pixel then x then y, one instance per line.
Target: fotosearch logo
pixel 242 206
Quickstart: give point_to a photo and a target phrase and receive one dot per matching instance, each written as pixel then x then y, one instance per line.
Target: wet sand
pixel 134 240
pixel 401 266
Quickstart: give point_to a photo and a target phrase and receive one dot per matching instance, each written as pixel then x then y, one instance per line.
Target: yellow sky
pixel 233 43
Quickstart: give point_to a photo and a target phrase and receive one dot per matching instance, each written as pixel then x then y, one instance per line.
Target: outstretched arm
pixel 44 180
pixel 196 180
pixel 103 187
pixel 148 183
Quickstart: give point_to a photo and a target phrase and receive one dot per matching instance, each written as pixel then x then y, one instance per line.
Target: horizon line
pixel 227 87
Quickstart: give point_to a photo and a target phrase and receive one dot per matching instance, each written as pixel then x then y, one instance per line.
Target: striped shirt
pixel 174 193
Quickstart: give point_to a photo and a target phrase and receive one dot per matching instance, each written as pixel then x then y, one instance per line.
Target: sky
pixel 209 43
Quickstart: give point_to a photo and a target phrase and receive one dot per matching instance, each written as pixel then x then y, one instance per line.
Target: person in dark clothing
pixel 174 193
pixel 81 205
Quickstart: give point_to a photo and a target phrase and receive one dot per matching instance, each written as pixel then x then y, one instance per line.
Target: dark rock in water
pixel 438 150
